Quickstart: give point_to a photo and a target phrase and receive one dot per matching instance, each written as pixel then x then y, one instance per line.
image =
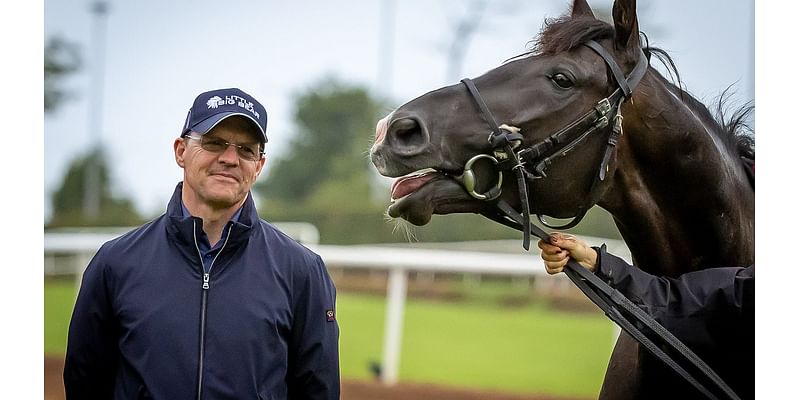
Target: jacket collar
pixel 183 228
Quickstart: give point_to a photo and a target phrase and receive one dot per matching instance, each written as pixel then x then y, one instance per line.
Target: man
pixel 207 301
pixel 712 311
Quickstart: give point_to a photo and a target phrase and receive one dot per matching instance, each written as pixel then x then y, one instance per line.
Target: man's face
pixel 218 180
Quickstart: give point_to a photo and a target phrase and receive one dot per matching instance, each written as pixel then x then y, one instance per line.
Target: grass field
pixel 59 298
pixel 467 344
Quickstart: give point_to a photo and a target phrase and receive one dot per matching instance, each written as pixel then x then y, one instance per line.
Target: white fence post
pixel 82 260
pixel 393 329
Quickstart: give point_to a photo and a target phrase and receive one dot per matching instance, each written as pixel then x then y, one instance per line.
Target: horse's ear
pixel 580 8
pixel 626 24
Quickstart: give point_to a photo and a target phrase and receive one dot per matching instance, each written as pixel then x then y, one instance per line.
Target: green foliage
pixel 61 58
pixel 334 122
pixel 352 223
pixel 68 199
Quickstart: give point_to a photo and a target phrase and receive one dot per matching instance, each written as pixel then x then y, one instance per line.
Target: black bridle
pixel 531 162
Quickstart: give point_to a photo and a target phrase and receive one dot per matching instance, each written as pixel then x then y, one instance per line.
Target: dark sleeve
pixel 314 351
pixel 92 352
pixel 695 306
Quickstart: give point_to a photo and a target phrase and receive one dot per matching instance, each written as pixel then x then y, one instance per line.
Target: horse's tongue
pixel 408 184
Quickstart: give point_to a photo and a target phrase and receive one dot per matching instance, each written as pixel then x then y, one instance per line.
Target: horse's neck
pixel 680 199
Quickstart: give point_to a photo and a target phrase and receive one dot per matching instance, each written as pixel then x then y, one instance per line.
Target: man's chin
pixel 222 198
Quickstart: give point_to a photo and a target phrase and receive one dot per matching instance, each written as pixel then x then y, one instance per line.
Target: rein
pixel 531 163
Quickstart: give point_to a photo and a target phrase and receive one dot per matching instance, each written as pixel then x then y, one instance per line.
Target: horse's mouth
pixel 419 195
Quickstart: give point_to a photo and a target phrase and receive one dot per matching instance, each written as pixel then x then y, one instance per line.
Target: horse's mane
pixel 566 33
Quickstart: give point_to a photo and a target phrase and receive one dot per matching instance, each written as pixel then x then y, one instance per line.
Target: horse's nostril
pixel 407 132
pixel 405 126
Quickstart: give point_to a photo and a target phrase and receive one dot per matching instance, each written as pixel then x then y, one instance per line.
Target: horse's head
pixel 428 141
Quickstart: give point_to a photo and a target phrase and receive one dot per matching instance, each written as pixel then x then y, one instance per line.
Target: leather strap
pixel 487 114
pixel 505 137
pixel 628 316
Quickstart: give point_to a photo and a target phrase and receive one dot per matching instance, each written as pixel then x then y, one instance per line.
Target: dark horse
pixel 674 182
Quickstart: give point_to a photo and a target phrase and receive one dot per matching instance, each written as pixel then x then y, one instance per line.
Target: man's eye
pixel 212 143
pixel 247 151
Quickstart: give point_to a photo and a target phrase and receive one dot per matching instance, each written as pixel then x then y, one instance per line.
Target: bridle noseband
pixel 531 162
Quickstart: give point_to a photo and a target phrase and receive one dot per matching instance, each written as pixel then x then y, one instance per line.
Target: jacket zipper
pixel 204 303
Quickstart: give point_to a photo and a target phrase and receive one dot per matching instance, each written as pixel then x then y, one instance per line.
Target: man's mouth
pixel 226 176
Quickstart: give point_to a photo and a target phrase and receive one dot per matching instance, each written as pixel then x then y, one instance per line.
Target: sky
pixel 158 55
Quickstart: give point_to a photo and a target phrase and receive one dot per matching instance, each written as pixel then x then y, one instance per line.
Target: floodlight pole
pixel 91 189
pixel 386 47
pixel 462 35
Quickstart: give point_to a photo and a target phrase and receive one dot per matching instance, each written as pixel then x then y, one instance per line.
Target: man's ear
pixel 180 148
pixel 261 163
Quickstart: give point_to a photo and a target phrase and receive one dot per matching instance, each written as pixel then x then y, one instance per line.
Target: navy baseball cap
pixel 210 108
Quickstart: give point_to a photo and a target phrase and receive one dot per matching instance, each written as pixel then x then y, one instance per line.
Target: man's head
pixel 221 148
pixel 210 108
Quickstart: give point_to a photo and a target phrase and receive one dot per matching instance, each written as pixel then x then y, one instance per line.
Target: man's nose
pixel 230 154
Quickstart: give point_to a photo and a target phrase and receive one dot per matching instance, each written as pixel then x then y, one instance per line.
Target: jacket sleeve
pixel 313 370
pixel 92 352
pixel 696 307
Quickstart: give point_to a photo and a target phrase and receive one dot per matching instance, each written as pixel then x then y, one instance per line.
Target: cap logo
pixel 214 102
pixel 217 101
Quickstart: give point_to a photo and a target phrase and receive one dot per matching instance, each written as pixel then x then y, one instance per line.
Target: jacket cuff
pixel 602 268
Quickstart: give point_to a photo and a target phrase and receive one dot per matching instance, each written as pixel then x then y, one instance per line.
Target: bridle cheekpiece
pixel 531 162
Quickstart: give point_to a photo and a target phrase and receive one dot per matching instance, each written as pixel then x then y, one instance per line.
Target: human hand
pixel 563 247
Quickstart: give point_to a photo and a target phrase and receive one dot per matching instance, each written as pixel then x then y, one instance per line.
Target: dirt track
pixel 351 390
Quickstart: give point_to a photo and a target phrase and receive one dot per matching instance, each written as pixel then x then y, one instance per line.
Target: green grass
pixel 59 299
pixel 468 344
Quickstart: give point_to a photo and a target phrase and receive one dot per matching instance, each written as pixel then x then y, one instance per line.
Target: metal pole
pixel 91 190
pixel 462 36
pixel 386 48
pixel 393 329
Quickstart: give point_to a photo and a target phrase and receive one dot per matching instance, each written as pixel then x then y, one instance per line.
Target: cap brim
pixel 209 123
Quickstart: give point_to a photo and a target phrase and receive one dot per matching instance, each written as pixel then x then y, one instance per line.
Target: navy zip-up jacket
pixel 148 324
pixel 712 311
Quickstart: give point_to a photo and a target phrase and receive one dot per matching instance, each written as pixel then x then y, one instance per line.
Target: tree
pixel 68 198
pixel 61 58
pixel 334 122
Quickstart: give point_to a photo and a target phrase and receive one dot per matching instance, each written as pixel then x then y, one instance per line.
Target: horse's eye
pixel 562 81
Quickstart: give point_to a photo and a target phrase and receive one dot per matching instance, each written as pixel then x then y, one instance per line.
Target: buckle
pixel 603 107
